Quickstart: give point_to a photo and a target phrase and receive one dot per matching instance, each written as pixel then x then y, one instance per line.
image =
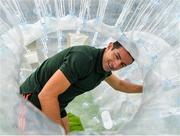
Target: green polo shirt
pixel 82 66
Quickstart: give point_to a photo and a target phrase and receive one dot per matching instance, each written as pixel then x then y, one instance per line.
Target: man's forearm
pixel 128 87
pixel 50 107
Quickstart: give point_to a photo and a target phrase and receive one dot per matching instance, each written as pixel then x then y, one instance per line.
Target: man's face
pixel 115 59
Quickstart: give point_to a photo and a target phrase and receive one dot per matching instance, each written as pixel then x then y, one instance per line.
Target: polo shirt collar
pixel 99 67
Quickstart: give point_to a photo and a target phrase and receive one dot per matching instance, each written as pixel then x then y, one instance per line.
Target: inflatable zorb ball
pixel 159 112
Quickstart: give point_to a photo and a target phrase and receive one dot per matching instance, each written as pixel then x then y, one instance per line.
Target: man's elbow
pixel 41 96
pixel 44 96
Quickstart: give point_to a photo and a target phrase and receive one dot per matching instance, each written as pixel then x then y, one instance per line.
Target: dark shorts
pixel 31 86
pixel 33 98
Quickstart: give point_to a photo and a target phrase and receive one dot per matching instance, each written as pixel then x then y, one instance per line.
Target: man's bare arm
pixel 123 85
pixel 48 96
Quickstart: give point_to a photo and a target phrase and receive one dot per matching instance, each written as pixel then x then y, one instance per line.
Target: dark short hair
pixel 117 45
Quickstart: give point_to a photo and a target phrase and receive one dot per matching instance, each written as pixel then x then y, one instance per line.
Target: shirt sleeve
pixel 75 66
pixel 63 113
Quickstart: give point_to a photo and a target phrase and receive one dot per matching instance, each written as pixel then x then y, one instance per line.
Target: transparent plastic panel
pixel 33 30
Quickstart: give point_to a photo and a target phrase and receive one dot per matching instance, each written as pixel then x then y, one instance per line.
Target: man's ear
pixel 110 45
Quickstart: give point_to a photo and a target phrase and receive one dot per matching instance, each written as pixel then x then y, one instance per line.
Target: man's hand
pixel 66 124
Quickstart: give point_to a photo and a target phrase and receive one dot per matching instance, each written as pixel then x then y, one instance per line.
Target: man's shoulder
pixel 84 48
pixel 84 51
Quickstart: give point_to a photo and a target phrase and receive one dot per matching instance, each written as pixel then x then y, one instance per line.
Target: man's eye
pixel 117 57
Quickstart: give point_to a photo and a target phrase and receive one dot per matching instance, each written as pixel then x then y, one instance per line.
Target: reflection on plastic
pixel 106 119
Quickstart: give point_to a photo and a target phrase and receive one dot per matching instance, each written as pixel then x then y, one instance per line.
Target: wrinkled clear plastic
pixel 31 31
